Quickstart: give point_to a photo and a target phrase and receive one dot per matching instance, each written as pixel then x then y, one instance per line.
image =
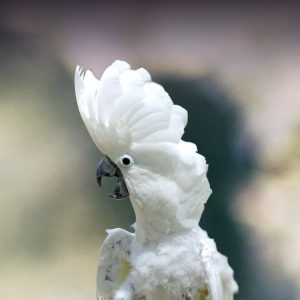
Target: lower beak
pixel 106 167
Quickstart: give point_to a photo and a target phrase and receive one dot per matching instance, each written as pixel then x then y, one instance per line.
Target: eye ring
pixel 126 161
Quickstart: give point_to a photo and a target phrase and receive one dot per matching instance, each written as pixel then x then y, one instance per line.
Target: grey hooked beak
pixel 106 167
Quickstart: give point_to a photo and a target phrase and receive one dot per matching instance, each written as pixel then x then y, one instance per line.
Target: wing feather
pixel 113 261
pixel 220 281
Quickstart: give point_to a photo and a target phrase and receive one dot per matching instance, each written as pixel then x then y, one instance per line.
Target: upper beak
pixel 106 167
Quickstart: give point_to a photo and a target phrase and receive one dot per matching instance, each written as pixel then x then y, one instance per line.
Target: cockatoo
pixel 135 124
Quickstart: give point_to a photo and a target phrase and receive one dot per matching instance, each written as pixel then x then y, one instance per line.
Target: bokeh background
pixel 236 70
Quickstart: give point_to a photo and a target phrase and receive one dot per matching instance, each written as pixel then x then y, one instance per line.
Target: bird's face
pixel 146 173
pixel 149 182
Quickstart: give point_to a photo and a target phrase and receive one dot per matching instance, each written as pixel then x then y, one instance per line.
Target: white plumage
pixel 169 256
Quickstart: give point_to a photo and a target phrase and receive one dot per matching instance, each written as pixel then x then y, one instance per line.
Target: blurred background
pixel 236 70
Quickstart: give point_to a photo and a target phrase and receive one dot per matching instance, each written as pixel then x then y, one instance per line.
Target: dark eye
pixel 126 160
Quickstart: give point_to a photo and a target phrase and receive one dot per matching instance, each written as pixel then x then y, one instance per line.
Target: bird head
pixel 135 124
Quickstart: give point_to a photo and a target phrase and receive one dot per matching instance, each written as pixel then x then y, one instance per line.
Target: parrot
pixel 138 129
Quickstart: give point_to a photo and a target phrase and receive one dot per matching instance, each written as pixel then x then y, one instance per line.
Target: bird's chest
pixel 169 270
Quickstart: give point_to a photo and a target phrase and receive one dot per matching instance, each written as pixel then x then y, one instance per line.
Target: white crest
pixel 126 107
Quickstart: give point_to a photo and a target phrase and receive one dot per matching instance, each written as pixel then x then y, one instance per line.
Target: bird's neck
pixel 152 228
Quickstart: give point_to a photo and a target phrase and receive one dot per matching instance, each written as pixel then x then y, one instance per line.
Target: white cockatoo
pixel 135 124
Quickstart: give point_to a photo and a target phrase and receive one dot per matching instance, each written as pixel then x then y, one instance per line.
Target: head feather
pixel 126 107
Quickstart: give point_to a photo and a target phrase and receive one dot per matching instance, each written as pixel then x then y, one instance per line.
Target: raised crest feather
pixel 127 105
